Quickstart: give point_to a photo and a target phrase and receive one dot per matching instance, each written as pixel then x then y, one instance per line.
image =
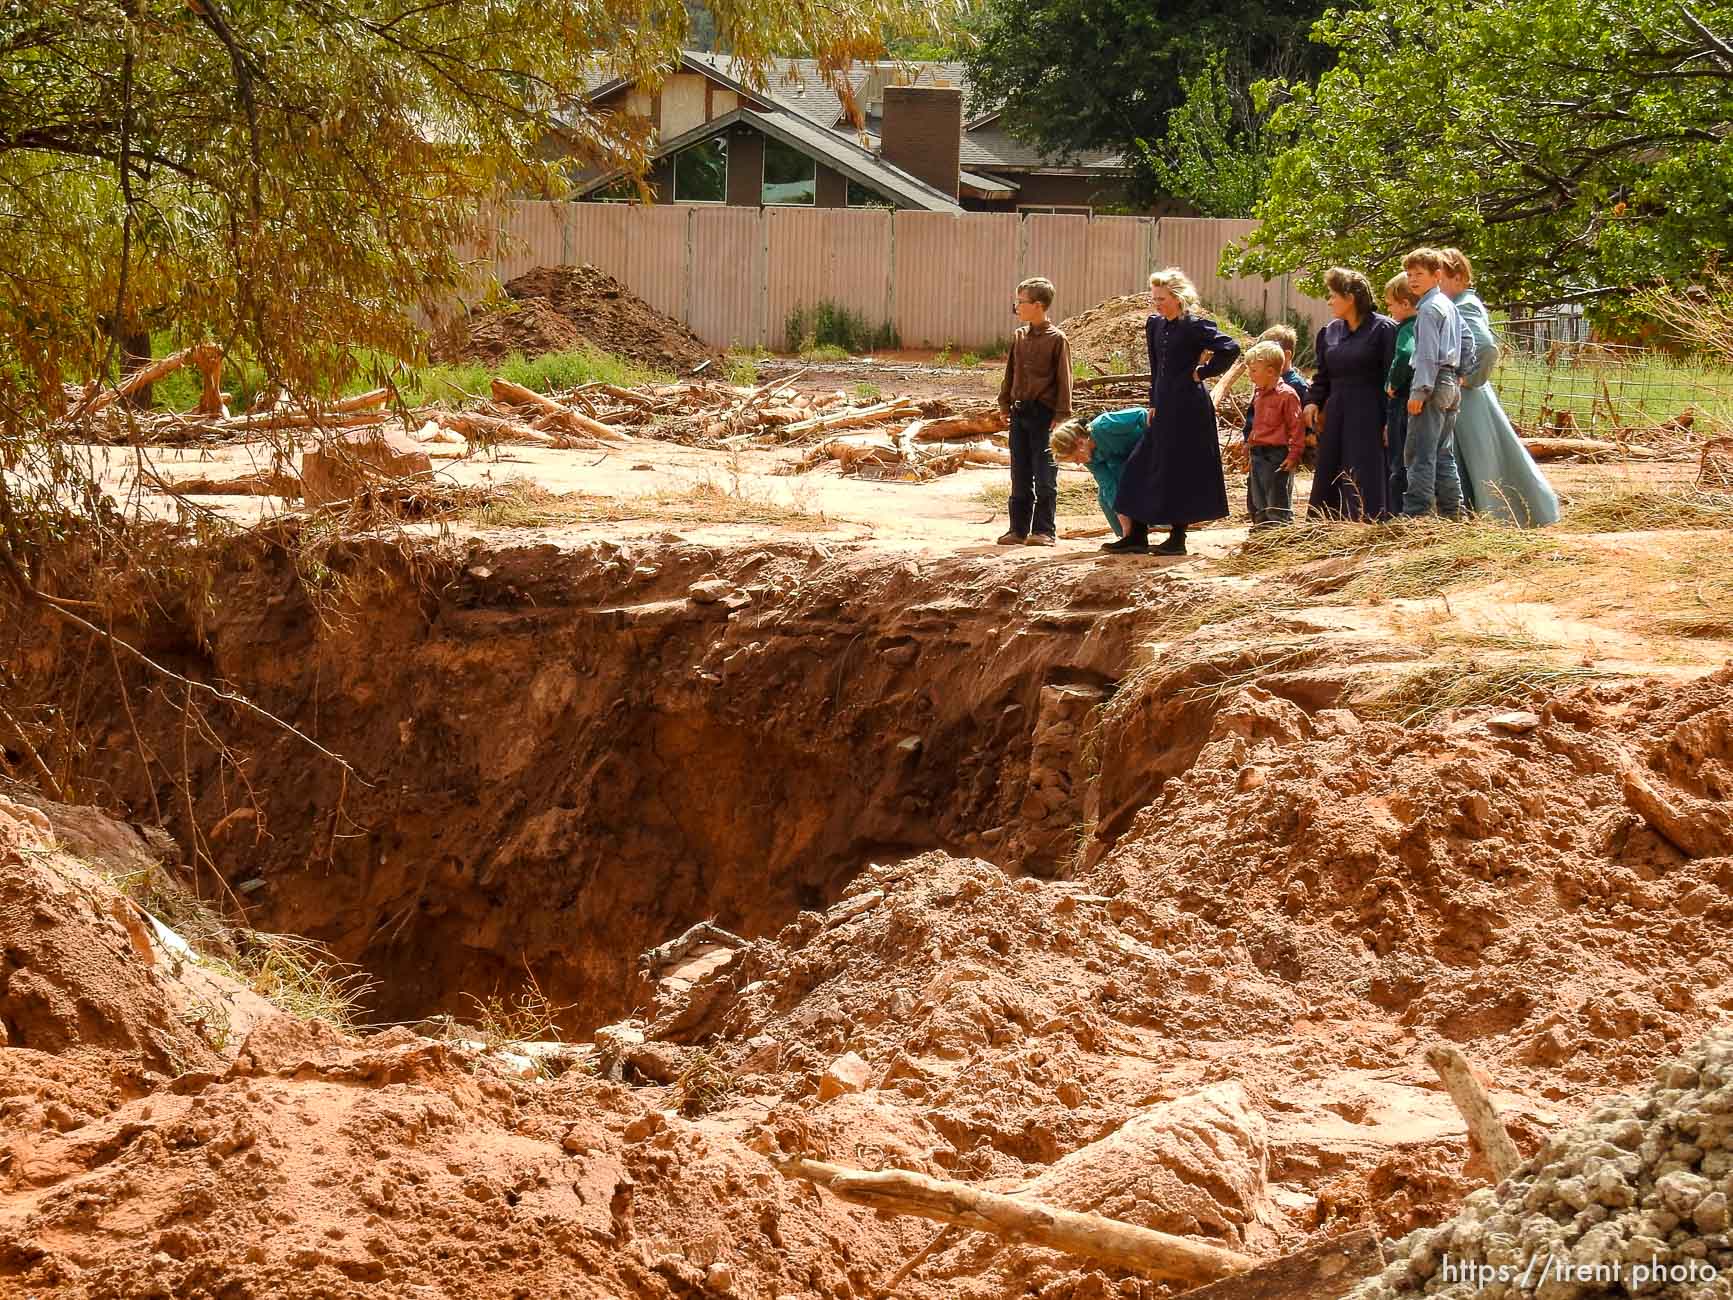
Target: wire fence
pixel 1560 387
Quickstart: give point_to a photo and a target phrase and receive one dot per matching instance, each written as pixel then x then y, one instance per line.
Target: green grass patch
pixel 830 324
pixel 825 352
pixel 1607 390
pixel 742 366
pixel 418 385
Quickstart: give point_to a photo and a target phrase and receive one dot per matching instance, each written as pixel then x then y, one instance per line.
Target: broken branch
pixel 1089 1236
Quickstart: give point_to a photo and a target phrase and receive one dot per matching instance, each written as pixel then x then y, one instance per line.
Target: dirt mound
pixel 1109 337
pixel 560 308
pixel 1489 883
pixel 82 975
pixel 1635 1201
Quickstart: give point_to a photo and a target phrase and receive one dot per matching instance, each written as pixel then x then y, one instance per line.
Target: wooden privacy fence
pixel 734 275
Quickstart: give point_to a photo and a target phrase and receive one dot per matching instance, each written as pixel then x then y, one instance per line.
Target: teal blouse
pixel 1115 434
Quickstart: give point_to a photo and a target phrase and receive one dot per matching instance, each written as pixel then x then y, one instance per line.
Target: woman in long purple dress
pixel 1354 353
pixel 1174 475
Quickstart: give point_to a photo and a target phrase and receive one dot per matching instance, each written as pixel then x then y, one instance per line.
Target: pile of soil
pixel 1634 1201
pixel 560 308
pixel 1216 1027
pixel 1109 336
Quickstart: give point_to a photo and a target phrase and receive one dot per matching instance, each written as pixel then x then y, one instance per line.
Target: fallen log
pixel 1481 1116
pixel 478 427
pixel 1089 1236
pixel 297 419
pixel 369 401
pixel 1588 448
pixel 517 395
pixel 1108 381
pixel 1326 1271
pixel 970 425
pixel 849 419
pixel 147 375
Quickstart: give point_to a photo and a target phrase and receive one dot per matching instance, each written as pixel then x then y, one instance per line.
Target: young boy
pixel 1103 446
pixel 1399 302
pixel 1434 393
pixel 1285 336
pixel 1035 393
pixel 1276 440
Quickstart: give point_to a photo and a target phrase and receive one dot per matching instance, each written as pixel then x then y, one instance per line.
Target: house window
pixel 789 176
pixel 701 172
pixel 859 196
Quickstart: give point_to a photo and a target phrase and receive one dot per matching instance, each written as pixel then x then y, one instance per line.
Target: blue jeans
pixel 1396 441
pixel 1269 489
pixel 1430 453
pixel 1034 472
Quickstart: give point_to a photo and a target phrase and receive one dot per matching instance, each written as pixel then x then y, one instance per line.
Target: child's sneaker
pixel 1013 539
pixel 1041 539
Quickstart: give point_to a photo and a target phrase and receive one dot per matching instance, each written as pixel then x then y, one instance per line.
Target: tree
pixel 293 178
pixel 1572 146
pixel 1216 152
pixel 1076 75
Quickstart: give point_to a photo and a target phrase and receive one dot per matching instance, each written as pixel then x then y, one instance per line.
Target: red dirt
pixel 561 308
pixel 1216 1027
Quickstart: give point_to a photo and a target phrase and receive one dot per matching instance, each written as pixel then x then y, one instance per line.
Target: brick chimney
pixel 922 132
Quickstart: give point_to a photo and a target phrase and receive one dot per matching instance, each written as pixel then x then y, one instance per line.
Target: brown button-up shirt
pixel 1038 369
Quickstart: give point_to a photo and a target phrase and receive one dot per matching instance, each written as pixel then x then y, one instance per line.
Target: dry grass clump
pixel 1410 558
pixel 1647 510
pixel 303 978
pixel 499 1021
pixel 703 1086
pixel 1415 697
pixel 520 503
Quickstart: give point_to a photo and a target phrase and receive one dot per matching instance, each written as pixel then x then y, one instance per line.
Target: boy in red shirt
pixel 1277 440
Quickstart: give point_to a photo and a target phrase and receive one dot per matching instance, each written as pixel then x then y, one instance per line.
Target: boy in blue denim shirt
pixel 1434 393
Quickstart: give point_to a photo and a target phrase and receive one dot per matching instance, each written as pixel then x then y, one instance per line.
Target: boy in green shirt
pixel 1399 301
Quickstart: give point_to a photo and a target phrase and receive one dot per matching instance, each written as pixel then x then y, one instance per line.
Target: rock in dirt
pixel 848 1073
pixel 343 465
pixel 1194 1166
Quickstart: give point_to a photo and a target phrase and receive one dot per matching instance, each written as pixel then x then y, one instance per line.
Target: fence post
pixel 686 275
pixel 764 277
pixel 891 278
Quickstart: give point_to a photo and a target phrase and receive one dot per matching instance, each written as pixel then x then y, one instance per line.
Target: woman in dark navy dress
pixel 1174 476
pixel 1354 352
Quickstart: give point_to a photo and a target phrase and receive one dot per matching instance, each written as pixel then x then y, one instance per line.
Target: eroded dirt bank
pixel 567 755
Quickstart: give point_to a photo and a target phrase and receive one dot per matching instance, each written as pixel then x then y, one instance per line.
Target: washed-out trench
pixel 564 755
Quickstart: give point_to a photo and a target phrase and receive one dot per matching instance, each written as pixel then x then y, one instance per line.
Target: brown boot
pixel 1013 539
pixel 1041 539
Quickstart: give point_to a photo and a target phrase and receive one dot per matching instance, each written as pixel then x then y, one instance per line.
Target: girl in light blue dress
pixel 1499 477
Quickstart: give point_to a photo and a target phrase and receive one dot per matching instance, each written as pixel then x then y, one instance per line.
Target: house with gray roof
pixel 878 135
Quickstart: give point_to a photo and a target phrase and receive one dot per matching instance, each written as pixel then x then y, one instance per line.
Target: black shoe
pixel 1130 544
pixel 1173 544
